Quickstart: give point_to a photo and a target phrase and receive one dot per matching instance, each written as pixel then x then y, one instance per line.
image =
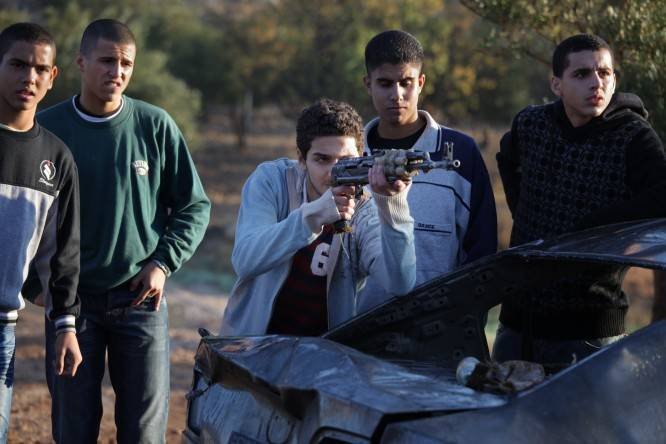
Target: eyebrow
pixel 386 79
pixel 36 65
pixel 587 70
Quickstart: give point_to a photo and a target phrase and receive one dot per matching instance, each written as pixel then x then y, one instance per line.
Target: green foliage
pixel 9 16
pixel 323 55
pixel 633 28
pixel 152 80
pixel 199 56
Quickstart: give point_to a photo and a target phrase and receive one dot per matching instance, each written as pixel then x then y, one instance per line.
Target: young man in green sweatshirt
pixel 143 213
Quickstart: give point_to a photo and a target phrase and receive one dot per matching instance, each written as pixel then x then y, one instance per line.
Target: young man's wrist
pixel 64 324
pixel 393 210
pixel 162 266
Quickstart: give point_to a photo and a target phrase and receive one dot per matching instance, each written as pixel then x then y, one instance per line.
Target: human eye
pixel 605 73
pixel 406 82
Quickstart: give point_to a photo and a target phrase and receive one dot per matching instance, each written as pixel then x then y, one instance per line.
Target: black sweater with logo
pixel 558 179
pixel 39 223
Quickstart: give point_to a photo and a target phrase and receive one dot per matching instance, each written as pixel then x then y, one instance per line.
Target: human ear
pixel 54 74
pixel 301 159
pixel 80 62
pixel 367 82
pixel 555 86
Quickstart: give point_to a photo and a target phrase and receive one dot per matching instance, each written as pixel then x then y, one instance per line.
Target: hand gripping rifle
pixel 398 165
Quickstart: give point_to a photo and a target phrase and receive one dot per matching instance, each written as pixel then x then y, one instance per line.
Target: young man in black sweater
pixel 587 159
pixel 39 207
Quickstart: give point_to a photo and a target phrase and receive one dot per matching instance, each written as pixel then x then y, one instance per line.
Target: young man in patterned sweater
pixel 587 159
pixel 39 205
pixel 143 213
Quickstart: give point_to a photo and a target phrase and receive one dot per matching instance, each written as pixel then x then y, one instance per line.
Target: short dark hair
pixel 327 117
pixel 25 32
pixel 577 43
pixel 107 29
pixel 395 47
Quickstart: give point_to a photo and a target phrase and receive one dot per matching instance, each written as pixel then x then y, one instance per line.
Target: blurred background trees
pixel 486 59
pixel 635 29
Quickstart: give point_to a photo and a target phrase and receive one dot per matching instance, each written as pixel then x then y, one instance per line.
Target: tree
pixel 633 28
pixel 152 80
pixel 231 52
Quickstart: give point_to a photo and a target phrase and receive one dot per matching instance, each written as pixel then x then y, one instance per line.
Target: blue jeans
pixel 509 346
pixel 7 349
pixel 136 340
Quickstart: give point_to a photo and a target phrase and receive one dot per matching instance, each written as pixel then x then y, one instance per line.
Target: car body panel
pixel 389 373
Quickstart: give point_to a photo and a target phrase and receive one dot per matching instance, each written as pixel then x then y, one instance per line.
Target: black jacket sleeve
pixel 508 164
pixel 481 236
pixel 63 305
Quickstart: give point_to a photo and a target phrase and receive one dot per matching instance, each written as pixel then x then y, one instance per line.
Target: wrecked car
pixel 389 375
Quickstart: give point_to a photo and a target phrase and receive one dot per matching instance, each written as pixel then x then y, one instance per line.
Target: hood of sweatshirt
pixel 623 107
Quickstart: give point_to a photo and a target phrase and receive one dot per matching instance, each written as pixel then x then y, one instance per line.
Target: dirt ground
pixel 31 404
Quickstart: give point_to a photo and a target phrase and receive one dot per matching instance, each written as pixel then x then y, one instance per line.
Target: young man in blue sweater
pixel 454 211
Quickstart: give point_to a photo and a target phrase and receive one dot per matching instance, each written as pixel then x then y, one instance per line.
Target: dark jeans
pixel 7 350
pixel 509 343
pixel 136 340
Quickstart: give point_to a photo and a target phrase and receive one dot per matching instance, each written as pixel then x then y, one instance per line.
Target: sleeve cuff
pixel 64 324
pixel 162 266
pixel 393 210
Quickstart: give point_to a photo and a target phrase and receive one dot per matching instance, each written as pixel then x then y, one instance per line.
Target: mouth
pixel 113 84
pixel 25 94
pixel 595 99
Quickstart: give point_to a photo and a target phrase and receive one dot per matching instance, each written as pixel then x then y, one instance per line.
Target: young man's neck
pixel 389 131
pixel 17 121
pixel 95 107
pixel 575 120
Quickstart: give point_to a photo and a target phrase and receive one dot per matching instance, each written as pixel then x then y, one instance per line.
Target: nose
pixel 329 171
pixel 395 92
pixel 31 75
pixel 597 81
pixel 116 70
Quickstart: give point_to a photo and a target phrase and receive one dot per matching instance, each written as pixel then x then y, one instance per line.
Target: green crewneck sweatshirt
pixel 141 197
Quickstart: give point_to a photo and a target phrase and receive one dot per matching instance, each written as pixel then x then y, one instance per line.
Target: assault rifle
pixel 398 165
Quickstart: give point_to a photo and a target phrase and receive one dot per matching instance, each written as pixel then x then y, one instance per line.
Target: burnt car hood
pixel 339 386
pixel 395 364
